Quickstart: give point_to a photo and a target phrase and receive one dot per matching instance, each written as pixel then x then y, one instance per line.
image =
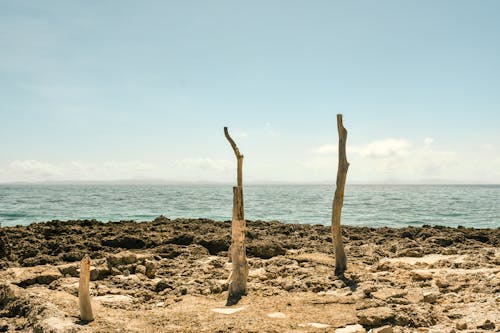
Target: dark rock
pixel 487 325
pixel 72 256
pixel 182 239
pixel 44 278
pixel 126 242
pixel 99 273
pixel 38 260
pixel 169 251
pixel 215 246
pixel 6 294
pixel 4 250
pixel 441 241
pixel 162 285
pixel 265 250
pixel 69 269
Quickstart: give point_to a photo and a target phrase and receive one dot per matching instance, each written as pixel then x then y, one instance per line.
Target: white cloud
pixel 35 169
pixel 326 149
pixel 387 158
pixel 383 148
pixel 205 164
pixel 32 170
pixel 376 149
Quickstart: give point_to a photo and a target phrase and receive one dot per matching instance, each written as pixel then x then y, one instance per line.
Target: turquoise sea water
pixel 367 205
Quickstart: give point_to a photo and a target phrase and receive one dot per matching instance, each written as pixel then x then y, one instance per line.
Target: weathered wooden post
pixel 338 200
pixel 84 291
pixel 239 270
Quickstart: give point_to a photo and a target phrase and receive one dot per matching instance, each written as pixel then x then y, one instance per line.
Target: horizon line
pixel 252 182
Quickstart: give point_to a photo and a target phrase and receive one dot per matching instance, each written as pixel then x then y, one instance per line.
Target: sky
pixel 111 90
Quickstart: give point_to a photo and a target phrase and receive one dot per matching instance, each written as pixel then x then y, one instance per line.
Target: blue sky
pixel 103 90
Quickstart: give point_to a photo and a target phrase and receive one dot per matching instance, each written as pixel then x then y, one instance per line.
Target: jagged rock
pixel 4 250
pixel 421 275
pixel 140 269
pixel 6 294
pixel 150 268
pixel 162 285
pixel 375 316
pixel 265 249
pixel 487 325
pixel 99 273
pixel 216 245
pixel 182 239
pixel 56 324
pixel 69 269
pixel 72 256
pixel 442 283
pixel 126 242
pixel 170 251
pixel 122 258
pixel 386 293
pixel 24 277
pixel 413 252
pixel 351 329
pixel 431 297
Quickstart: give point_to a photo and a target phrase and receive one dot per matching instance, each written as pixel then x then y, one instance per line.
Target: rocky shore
pixel 171 276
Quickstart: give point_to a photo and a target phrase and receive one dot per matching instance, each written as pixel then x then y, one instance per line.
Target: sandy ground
pixel 171 276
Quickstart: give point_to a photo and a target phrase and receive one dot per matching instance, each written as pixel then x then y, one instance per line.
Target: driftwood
pixel 239 270
pixel 84 291
pixel 338 200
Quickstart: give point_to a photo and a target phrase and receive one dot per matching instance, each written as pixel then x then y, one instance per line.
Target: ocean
pixel 476 206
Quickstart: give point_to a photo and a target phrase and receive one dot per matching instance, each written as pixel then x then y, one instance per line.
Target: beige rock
pixel 113 300
pixel 386 293
pixel 280 315
pixel 140 269
pixel 351 329
pixel 99 273
pixel 227 311
pixel 383 329
pixel 150 268
pixel 319 325
pixel 56 325
pixel 121 258
pixel 441 283
pixel 431 296
pixel 421 275
pixel 461 325
pixel 27 276
pixel 375 316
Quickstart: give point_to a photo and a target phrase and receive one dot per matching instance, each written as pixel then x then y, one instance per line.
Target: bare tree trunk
pixel 239 274
pixel 238 285
pixel 239 157
pixel 338 200
pixel 84 291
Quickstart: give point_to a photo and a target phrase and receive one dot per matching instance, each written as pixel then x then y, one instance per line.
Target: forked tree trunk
pixel 338 200
pixel 239 271
pixel 84 291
